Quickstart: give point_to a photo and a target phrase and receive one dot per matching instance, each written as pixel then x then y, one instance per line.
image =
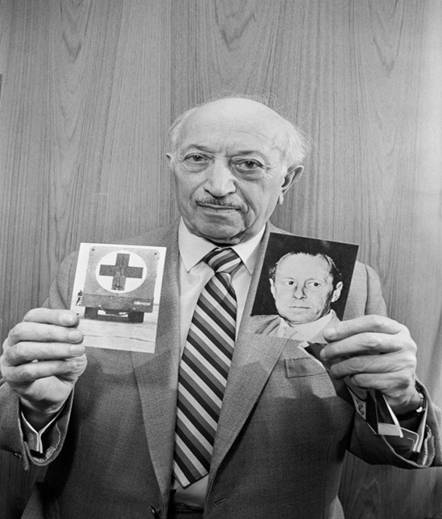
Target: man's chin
pixel 221 235
pixel 300 318
pixel 223 240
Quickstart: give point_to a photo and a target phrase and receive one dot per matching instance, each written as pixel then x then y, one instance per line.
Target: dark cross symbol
pixel 121 271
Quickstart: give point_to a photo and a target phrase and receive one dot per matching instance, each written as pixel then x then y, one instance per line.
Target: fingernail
pixel 68 319
pixel 78 349
pixel 75 336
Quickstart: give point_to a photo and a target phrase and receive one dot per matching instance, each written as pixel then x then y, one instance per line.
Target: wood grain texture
pixel 86 104
pixel 89 88
pixel 410 247
pixel 5 24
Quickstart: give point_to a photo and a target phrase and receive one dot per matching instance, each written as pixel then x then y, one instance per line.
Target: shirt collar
pixel 193 248
pixel 306 331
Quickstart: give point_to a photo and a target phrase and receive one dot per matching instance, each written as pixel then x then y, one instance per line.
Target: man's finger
pixel 27 373
pixel 387 383
pixel 372 364
pixel 39 332
pixel 363 343
pixel 52 316
pixel 25 352
pixel 366 323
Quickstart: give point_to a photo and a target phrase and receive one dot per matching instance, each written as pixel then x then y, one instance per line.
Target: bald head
pixel 232 159
pixel 226 111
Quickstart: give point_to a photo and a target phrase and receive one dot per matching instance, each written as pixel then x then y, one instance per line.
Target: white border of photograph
pixel 107 334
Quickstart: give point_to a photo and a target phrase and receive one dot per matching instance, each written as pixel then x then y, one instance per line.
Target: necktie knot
pixel 224 260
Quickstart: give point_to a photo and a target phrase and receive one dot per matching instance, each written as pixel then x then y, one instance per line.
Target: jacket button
pixel 155 512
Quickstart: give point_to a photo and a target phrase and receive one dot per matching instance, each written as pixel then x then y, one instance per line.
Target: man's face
pixel 229 170
pixel 303 288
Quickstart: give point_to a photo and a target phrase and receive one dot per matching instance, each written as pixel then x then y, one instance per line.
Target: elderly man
pixel 304 286
pixel 218 422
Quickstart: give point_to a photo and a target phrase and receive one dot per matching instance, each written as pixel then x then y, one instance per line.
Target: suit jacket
pixel 281 437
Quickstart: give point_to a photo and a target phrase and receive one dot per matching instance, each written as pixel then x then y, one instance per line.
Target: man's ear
pixel 293 174
pixel 337 292
pixel 171 162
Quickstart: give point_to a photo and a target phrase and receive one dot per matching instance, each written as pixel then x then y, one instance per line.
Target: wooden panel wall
pixel 89 87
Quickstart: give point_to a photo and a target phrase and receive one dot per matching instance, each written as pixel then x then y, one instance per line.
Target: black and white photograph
pixel 220 259
pixel 116 293
pixel 303 286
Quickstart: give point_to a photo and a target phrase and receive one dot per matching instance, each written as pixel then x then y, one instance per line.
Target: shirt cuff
pixel 33 439
pixel 405 436
pixel 414 431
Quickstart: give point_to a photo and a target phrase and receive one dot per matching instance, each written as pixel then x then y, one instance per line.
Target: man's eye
pixel 195 158
pixel 313 284
pixel 248 165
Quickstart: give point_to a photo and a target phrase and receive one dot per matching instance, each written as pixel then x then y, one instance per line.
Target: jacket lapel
pixel 254 360
pixel 157 373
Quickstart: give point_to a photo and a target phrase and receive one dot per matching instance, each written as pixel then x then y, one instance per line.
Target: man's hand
pixel 41 361
pixel 375 352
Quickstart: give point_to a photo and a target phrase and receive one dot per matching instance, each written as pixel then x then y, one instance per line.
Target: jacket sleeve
pixel 11 433
pixel 378 449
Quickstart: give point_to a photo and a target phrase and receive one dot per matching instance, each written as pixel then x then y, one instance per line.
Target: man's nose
pixel 298 292
pixel 220 180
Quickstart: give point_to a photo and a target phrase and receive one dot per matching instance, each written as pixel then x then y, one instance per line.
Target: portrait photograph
pixel 304 283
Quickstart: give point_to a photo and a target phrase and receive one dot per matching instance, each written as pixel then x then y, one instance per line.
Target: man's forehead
pixel 230 140
pixel 303 263
pixel 240 125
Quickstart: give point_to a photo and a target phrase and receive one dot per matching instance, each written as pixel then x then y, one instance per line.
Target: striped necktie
pixel 204 368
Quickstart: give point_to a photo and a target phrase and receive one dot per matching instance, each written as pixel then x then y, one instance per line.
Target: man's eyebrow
pixel 202 147
pixel 233 153
pixel 198 147
pixel 311 278
pixel 246 152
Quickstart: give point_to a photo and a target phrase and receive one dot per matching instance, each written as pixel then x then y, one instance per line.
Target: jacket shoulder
pixel 159 236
